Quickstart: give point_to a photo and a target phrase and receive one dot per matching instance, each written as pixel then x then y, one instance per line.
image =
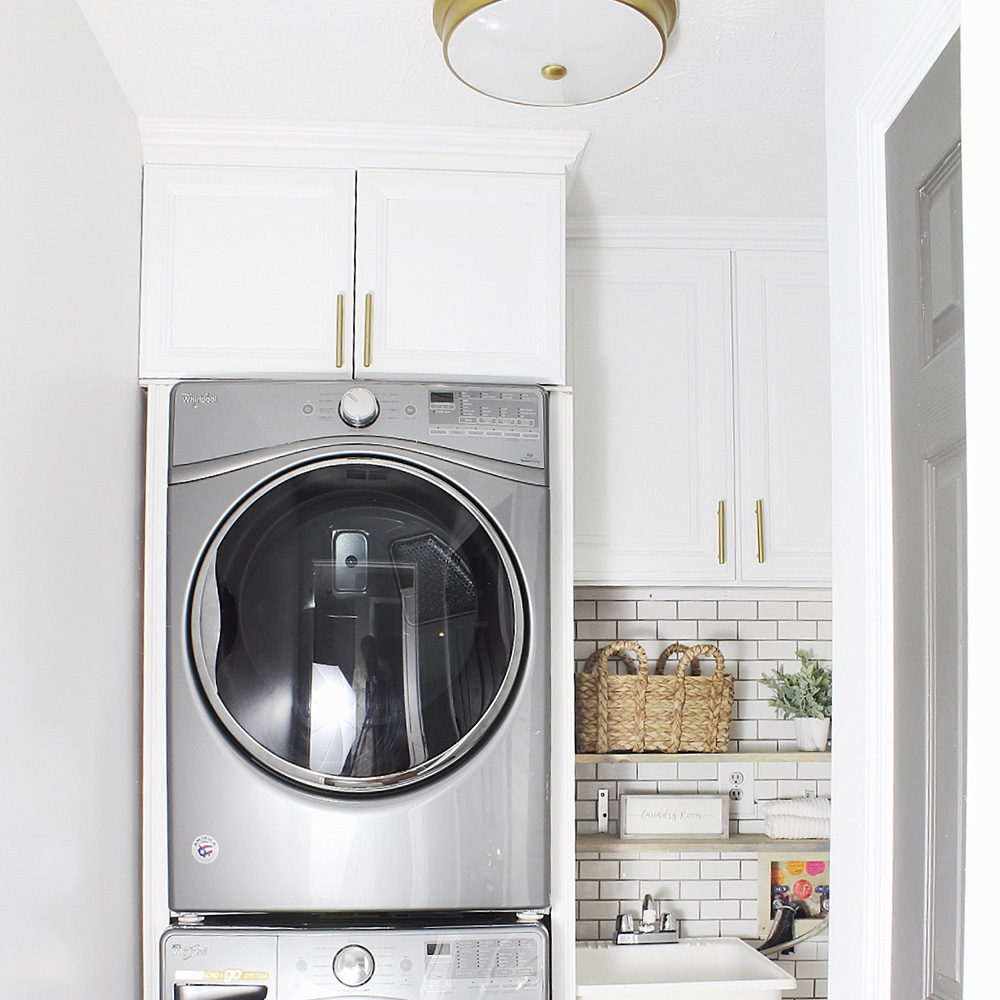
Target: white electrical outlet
pixel 736 780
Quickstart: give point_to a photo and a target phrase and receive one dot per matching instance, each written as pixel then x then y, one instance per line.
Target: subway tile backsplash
pixel 712 893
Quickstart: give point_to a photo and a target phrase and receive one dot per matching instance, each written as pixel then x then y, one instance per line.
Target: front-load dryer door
pixel 357 624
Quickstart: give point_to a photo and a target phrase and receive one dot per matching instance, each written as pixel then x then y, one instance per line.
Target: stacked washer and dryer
pixel 358 691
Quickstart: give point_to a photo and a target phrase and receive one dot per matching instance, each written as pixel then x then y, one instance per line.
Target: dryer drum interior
pixel 357 624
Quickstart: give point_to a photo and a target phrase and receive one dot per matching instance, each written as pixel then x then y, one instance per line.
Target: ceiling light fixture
pixel 554 53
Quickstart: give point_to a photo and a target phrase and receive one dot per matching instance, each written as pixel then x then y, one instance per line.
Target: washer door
pixel 357 624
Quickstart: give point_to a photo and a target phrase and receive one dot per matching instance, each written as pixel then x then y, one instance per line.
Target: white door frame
pixel 862 835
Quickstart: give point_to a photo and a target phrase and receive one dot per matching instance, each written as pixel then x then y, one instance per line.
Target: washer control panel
pixel 218 419
pixel 458 963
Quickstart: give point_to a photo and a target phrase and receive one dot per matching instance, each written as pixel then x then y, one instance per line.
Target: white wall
pixel 70 476
pixel 872 47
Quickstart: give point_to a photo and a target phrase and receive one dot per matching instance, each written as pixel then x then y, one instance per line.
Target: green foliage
pixel 805 694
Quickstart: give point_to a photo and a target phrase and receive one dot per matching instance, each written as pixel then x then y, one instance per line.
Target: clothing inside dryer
pixel 367 620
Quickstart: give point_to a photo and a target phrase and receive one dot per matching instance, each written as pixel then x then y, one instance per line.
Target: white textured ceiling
pixel 730 125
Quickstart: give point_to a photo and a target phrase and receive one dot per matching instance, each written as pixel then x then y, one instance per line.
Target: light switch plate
pixel 737 781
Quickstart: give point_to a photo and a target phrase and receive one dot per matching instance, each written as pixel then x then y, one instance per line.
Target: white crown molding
pixel 204 141
pixel 696 233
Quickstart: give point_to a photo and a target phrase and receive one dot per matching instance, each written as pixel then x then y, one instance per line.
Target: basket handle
pixel 675 647
pixel 706 649
pixel 597 662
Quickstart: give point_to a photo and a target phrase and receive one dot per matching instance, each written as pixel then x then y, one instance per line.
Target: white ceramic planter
pixel 812 734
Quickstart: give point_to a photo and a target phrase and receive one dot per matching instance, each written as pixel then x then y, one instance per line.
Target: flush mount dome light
pixel 554 52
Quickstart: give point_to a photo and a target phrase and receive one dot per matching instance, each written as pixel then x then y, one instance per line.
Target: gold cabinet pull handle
pixel 340 331
pixel 722 532
pixel 760 531
pixel 368 330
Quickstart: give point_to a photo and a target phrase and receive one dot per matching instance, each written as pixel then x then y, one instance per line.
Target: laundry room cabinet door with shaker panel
pixel 246 270
pixel 275 270
pixel 460 274
pixel 702 410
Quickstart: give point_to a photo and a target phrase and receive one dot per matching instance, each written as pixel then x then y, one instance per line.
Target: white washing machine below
pixel 500 962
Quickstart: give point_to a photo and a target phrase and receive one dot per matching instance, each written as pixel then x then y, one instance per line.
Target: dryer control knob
pixel 358 407
pixel 353 965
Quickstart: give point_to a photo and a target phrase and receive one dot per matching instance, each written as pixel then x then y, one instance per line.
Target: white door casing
pixel 923 183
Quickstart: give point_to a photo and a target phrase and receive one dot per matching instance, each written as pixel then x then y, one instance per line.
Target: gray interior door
pixel 927 358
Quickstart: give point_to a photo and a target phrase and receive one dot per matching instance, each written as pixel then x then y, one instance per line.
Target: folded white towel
pixel 796 819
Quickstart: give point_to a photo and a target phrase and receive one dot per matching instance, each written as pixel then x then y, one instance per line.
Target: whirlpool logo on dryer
pixel 200 400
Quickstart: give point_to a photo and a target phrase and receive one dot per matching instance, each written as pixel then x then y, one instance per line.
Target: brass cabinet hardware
pixel 722 532
pixel 368 330
pixel 760 531
pixel 340 331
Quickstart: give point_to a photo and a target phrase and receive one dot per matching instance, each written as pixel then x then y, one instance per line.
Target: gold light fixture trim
pixel 489 53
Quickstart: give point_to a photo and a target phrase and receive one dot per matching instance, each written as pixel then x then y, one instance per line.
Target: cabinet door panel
pixel 465 272
pixel 783 373
pixel 241 270
pixel 652 378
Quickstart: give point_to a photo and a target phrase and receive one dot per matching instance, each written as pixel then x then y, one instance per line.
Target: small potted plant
pixel 805 696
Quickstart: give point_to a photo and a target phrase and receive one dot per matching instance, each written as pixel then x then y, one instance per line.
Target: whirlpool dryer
pixel 358 690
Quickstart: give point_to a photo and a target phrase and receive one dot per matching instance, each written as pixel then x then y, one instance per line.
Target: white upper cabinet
pixel 702 412
pixel 783 366
pixel 460 274
pixel 652 381
pixel 244 270
pixel 353 253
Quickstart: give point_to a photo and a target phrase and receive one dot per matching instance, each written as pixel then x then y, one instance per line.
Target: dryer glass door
pixel 357 624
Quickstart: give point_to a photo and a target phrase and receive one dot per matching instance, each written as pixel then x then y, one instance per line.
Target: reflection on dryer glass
pixel 366 620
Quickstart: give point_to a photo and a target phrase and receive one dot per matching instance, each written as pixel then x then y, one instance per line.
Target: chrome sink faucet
pixel 652 929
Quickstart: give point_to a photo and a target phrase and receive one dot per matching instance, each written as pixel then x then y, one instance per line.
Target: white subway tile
pixel 680 869
pixel 593 909
pixel 702 889
pixel 659 889
pixel 648 771
pixel 588 890
pixel 695 770
pixel 634 869
pixel 758 630
pixel 778 649
pixel 738 928
pixel 600 632
pixel 776 769
pixel 720 909
pixel 587 930
pixel 716 631
pixel 725 869
pixel 804 631
pixel 599 870
pixel 814 769
pixel 776 610
pixel 699 928
pixel 616 771
pixel 616 609
pixel 678 631
pixel 586 771
pixel 697 609
pixel 739 889
pixel 635 631
pixel 795 789
pixel 657 609
pixel 685 909
pixel 816 609
pixel 619 890
pixel 584 609
pixel 737 609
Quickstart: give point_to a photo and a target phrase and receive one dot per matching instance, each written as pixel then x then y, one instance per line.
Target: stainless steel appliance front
pixel 501 962
pixel 358 604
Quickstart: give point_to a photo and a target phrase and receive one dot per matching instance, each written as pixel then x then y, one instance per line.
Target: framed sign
pixel 682 816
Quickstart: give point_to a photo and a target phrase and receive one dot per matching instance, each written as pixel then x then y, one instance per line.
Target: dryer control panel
pixel 220 419
pixel 460 963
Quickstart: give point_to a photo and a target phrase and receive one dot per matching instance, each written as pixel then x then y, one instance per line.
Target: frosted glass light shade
pixel 554 52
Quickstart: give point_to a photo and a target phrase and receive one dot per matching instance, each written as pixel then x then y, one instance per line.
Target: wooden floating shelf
pixel 777 756
pixel 606 843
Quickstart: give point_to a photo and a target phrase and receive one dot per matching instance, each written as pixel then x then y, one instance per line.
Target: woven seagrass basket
pixel 610 708
pixel 687 713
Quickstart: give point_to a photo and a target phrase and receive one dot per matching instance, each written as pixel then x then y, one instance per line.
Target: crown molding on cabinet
pixel 694 233
pixel 324 144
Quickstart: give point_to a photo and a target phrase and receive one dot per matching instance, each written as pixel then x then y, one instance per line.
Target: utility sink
pixel 706 968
